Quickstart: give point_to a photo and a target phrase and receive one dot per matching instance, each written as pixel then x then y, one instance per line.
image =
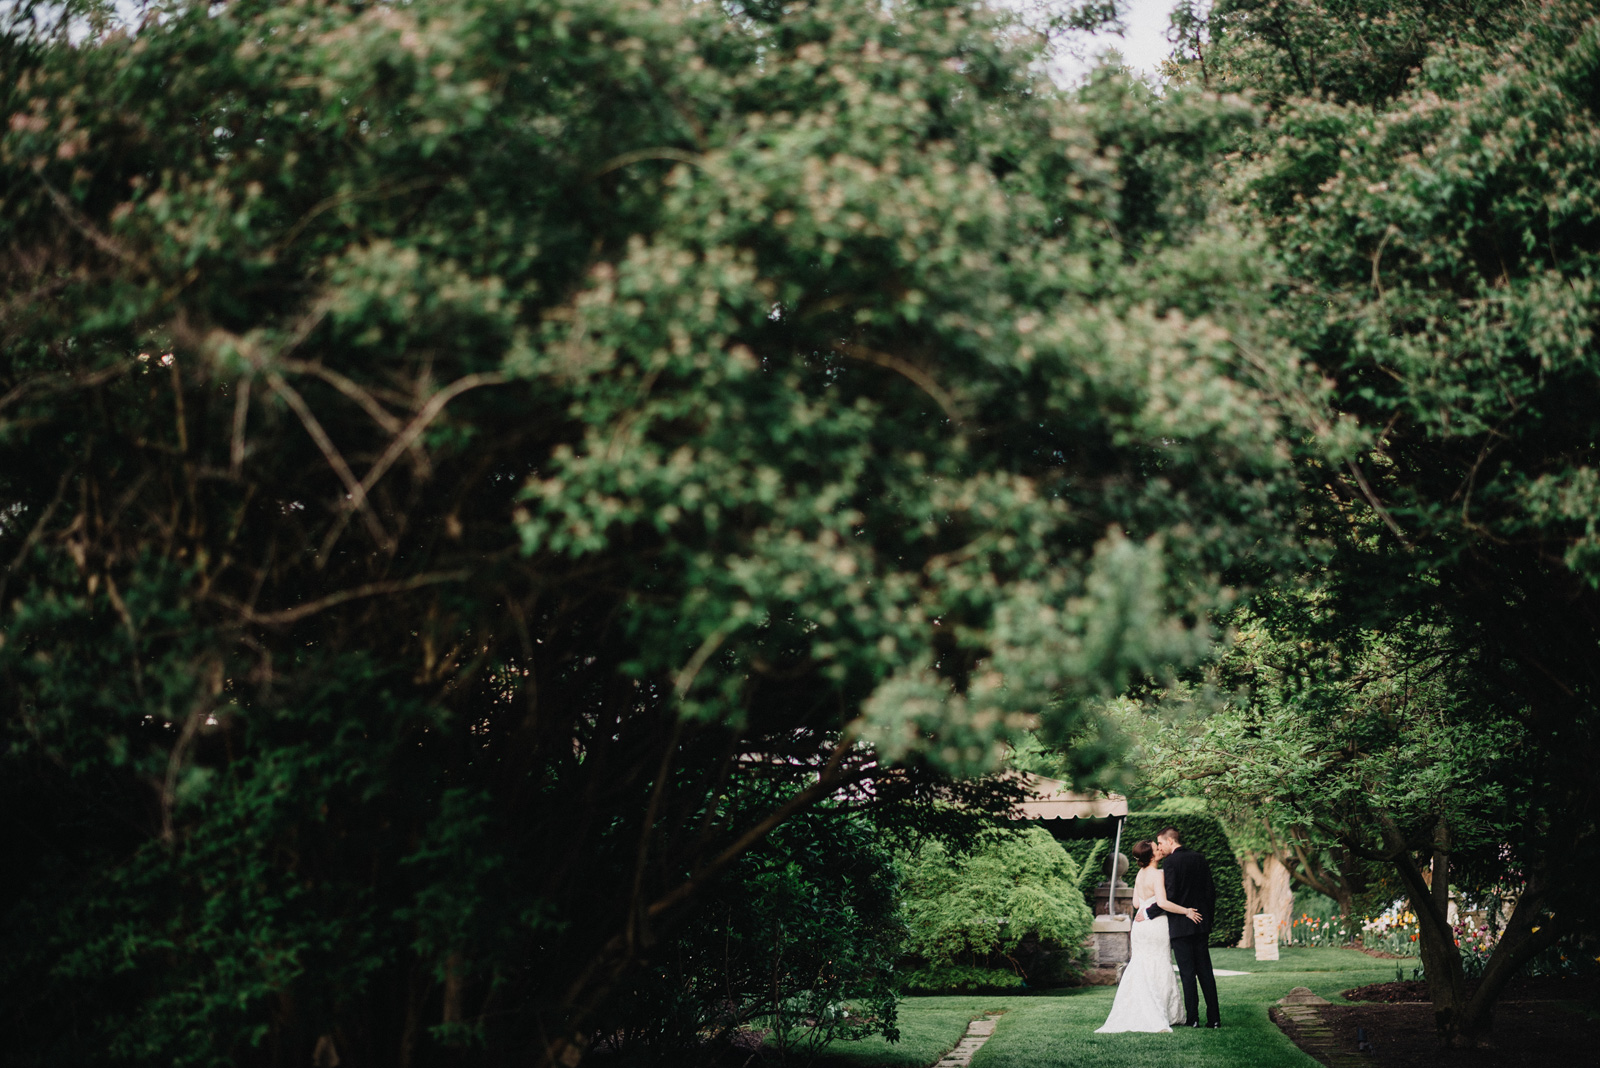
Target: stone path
pixel 1302 1008
pixel 978 1032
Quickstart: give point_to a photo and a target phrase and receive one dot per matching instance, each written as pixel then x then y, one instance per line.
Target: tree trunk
pixel 1268 887
pixel 1462 1022
pixel 1278 897
pixel 1346 900
pixel 1527 933
pixel 1254 880
pixel 1335 883
pixel 1440 958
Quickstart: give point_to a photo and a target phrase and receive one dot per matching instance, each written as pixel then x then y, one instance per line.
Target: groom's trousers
pixel 1194 963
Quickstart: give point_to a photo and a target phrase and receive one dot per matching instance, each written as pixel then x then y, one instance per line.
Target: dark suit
pixel 1188 881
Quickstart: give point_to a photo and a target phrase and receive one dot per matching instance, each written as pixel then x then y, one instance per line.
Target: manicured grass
pixel 929 1028
pixel 1055 1029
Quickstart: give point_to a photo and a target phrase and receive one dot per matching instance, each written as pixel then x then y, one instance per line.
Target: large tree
pixel 443 445
pixel 1387 747
pixel 1426 177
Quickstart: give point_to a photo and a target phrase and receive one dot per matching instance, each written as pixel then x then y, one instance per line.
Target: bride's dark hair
pixel 1144 852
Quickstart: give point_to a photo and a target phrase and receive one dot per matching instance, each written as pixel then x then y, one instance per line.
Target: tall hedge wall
pixel 1205 834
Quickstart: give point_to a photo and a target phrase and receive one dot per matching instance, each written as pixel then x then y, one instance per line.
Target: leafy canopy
pixel 442 445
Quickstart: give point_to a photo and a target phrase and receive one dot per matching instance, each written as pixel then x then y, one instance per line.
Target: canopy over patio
pixel 1066 813
pixel 1052 800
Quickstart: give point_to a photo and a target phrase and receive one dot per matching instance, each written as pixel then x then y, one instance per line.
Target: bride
pixel 1147 996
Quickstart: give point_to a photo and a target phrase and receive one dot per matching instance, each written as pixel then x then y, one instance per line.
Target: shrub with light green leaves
pixel 964 908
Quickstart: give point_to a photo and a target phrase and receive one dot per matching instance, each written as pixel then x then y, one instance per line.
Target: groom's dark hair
pixel 1172 833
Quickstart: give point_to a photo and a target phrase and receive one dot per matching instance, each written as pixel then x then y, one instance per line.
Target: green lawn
pixel 1056 1028
pixel 929 1028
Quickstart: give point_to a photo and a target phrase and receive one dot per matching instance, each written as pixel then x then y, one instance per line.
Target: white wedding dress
pixel 1148 998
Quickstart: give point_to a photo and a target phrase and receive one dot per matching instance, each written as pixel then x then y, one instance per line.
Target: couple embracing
pixel 1173 905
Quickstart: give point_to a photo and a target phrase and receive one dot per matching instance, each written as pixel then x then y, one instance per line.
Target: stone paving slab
pixel 978 1032
pixel 1304 1009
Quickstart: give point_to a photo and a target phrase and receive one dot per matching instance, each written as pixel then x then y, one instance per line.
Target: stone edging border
pixel 1304 1009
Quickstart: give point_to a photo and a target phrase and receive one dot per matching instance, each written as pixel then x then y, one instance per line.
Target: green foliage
pixel 800 938
pixel 1315 920
pixel 1440 252
pixel 1204 834
pixel 448 449
pixel 1358 52
pixel 1390 731
pixel 1425 182
pixel 1385 746
pixel 965 909
pixel 950 978
pixel 1090 861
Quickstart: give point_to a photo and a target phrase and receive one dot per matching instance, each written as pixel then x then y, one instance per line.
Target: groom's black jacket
pixel 1188 879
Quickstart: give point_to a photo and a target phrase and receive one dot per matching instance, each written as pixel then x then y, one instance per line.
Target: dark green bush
pixel 960 979
pixel 800 938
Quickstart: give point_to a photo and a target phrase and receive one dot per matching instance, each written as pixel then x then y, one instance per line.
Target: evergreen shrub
pixel 960 979
pixel 1013 903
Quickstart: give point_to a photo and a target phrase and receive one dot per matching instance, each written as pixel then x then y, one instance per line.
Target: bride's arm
pixel 1159 883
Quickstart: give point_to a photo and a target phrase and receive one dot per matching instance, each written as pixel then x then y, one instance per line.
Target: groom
pixel 1188 882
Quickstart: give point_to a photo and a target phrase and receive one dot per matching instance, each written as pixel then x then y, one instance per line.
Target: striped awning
pixel 1051 799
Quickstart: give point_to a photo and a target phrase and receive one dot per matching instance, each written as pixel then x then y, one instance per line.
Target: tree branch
pixel 1377 506
pixel 403 441
pixel 914 374
pixel 371 589
pixel 356 492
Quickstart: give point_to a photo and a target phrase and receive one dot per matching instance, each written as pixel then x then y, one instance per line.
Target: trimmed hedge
pixel 1204 834
pixel 961 979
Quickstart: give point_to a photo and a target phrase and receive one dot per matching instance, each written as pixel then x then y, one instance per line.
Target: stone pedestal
pixel 1112 936
pixel 1102 895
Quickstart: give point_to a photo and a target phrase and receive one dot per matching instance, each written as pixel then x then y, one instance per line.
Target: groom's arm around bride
pixel 1188 882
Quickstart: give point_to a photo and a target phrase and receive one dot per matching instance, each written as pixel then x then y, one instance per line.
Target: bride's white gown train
pixel 1148 998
